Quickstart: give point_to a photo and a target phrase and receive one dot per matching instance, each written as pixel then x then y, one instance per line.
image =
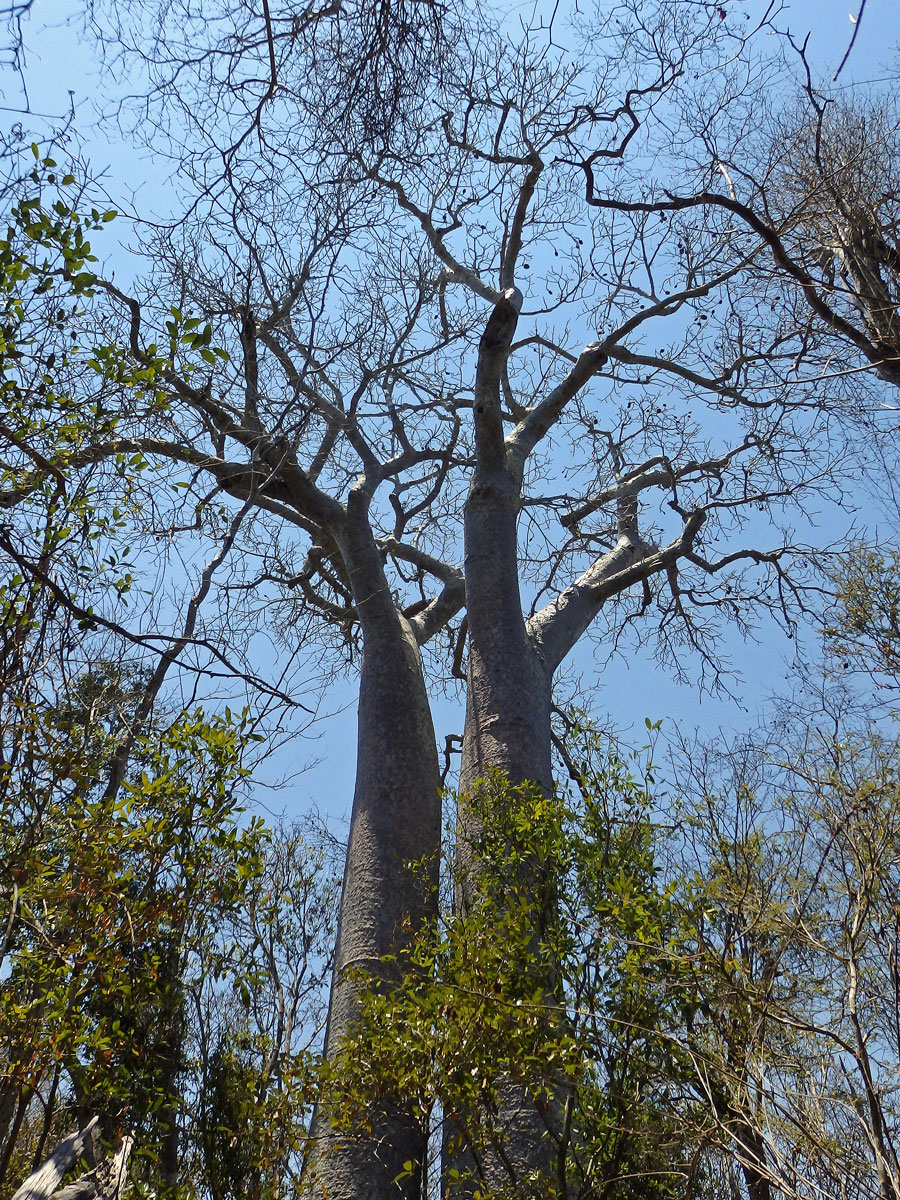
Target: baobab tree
pixel 458 409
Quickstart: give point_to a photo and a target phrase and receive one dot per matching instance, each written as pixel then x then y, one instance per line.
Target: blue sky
pixel 60 65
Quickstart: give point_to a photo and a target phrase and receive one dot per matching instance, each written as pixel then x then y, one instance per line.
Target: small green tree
pixel 475 1005
pixel 864 631
pixel 164 957
pixel 109 907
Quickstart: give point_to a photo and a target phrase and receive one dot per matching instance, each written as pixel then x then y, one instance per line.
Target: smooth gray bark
pixel 390 879
pixel 392 859
pixel 508 730
pixel 507 720
pixel 508 701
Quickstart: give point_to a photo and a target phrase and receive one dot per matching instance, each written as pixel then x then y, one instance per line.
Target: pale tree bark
pixel 105 1182
pixel 47 1178
pixel 390 879
pixel 507 726
pixel 508 687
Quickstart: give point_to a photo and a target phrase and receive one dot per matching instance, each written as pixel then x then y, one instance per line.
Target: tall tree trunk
pixel 508 700
pixel 507 726
pixel 396 822
pixel 508 730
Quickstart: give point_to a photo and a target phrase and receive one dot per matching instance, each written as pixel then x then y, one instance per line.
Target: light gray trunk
pixel 510 677
pixel 508 701
pixel 396 821
pixel 43 1182
pixel 507 729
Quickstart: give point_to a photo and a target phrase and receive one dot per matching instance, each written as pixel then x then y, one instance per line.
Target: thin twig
pixel 856 21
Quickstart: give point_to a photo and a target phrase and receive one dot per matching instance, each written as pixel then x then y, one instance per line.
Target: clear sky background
pixel 61 69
